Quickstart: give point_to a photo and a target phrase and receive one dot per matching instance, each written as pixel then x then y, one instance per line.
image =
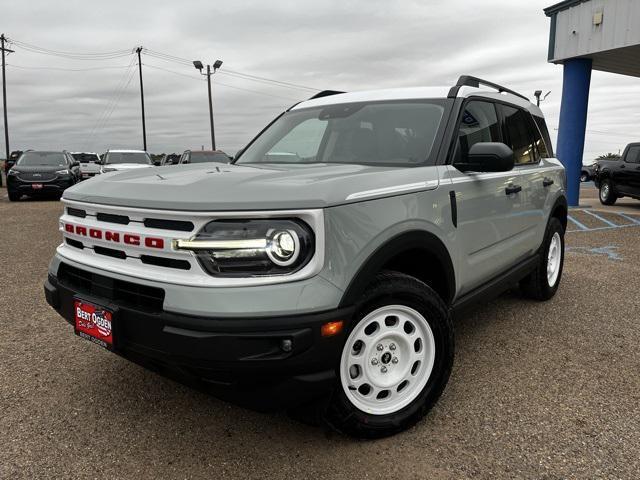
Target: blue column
pixel 573 121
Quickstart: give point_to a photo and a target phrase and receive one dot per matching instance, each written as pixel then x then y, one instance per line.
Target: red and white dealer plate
pixel 94 323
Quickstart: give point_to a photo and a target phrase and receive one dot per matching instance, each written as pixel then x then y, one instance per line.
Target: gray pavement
pixel 539 390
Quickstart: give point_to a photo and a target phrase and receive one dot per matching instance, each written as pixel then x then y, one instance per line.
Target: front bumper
pixel 238 359
pixel 52 187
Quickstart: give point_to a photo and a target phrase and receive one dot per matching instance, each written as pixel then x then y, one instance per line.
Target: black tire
pixel 607 194
pixel 536 285
pixel 584 177
pixel 392 288
pixel 13 196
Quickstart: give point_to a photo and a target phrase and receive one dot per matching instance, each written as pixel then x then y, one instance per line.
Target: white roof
pixel 127 151
pixel 414 93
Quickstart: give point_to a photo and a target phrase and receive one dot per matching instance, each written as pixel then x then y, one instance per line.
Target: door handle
pixel 622 165
pixel 512 189
pixel 547 182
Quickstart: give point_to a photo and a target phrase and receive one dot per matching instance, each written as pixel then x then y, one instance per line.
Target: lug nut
pixel 374 361
pixel 392 346
pixel 383 369
pixel 379 347
pixel 394 360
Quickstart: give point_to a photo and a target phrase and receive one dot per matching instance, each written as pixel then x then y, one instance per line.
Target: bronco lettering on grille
pixel 115 237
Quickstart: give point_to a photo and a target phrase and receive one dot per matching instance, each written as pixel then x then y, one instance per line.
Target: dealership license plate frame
pixel 37 186
pixel 90 336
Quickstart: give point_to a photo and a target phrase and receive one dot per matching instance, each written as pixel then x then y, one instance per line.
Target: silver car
pixel 323 266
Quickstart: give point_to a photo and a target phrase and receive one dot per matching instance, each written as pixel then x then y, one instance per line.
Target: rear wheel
pixel 584 177
pixel 396 360
pixel 608 195
pixel 543 282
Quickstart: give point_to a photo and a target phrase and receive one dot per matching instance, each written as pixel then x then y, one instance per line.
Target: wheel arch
pixel 560 210
pixel 417 253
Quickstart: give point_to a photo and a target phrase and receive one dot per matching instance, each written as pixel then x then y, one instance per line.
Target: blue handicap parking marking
pixel 635 222
pixel 610 251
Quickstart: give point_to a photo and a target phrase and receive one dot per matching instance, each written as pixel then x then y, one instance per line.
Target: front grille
pixel 111 218
pixel 76 212
pixel 178 225
pixel 120 292
pixel 36 177
pixel 165 262
pixel 74 243
pixel 109 252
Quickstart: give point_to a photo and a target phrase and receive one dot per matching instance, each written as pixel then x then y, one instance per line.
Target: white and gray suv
pixel 324 265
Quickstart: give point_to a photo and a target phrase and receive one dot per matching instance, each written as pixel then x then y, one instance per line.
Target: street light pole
pixel 213 136
pixel 144 128
pixel 216 65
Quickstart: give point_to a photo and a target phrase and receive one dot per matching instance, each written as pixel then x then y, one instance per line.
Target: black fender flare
pixel 411 240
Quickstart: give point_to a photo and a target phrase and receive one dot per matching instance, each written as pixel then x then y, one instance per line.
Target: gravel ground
pixel 539 390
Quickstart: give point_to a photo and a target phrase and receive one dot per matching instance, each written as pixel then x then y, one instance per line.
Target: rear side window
pixel 541 137
pixel 479 123
pixel 633 155
pixel 518 134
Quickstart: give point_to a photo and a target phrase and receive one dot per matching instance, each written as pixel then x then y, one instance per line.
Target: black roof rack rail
pixel 325 93
pixel 469 81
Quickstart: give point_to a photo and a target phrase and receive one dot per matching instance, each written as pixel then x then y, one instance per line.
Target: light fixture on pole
pixel 538 93
pixel 216 65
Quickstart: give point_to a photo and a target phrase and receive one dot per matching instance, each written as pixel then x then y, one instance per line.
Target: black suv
pixel 38 173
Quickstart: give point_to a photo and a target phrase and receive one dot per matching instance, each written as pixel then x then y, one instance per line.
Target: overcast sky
pixel 93 104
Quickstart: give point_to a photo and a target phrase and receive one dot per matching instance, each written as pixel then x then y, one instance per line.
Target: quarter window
pixel 518 134
pixel 479 123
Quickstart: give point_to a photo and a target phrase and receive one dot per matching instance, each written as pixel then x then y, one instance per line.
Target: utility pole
pixel 216 65
pixel 4 98
pixel 144 128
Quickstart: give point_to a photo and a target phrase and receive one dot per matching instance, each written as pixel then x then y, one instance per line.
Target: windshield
pixel 86 157
pixel 51 159
pixel 394 133
pixel 128 157
pixel 202 157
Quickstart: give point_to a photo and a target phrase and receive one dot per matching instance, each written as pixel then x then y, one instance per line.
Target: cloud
pixel 349 45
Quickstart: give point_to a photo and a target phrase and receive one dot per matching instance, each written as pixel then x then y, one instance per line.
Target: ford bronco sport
pixel 325 264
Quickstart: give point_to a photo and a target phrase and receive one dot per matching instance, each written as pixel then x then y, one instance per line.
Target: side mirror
pixel 75 164
pixel 487 157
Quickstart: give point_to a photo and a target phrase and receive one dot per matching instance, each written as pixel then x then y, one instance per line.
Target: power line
pixel 113 101
pixel 232 73
pixel 29 67
pixel 72 55
pixel 257 92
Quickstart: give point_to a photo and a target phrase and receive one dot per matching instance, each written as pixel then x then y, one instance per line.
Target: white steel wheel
pixel 554 258
pixel 387 360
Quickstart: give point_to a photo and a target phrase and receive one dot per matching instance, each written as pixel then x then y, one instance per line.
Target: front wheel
pixel 543 282
pixel 14 196
pixel 396 360
pixel 607 194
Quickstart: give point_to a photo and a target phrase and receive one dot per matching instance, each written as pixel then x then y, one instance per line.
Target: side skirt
pixel 495 286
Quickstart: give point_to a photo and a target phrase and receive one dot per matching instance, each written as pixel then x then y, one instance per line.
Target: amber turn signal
pixel 330 329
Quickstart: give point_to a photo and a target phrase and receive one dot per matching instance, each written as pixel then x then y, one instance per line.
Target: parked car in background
pixel 117 160
pixel 587 172
pixel 204 156
pixel 13 158
pixel 38 173
pixel 171 159
pixel 619 177
pixel 89 163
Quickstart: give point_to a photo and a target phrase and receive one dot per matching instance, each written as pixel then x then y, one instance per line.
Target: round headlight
pixel 284 247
